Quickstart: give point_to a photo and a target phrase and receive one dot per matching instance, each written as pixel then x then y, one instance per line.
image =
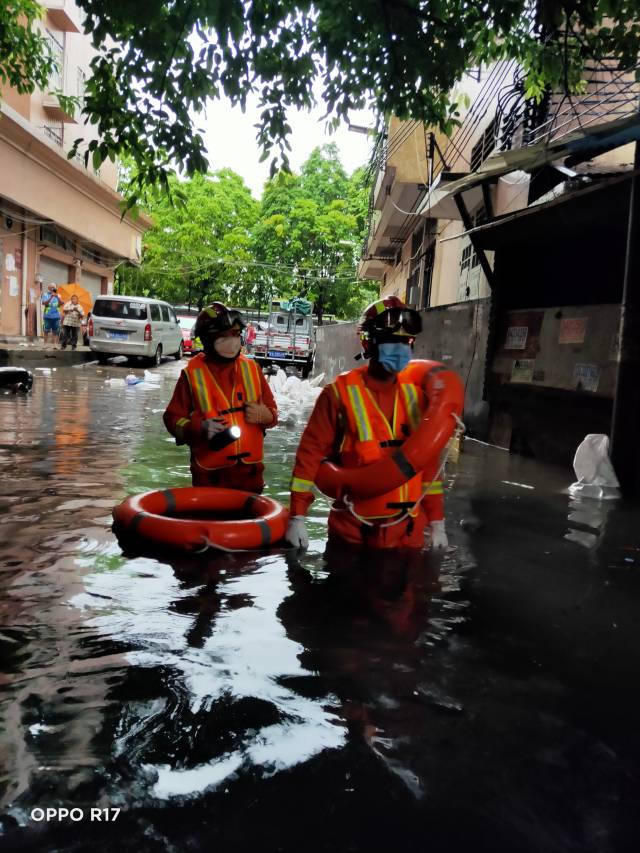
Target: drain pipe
pixel 24 304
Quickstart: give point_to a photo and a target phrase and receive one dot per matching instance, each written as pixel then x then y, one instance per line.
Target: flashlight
pixel 222 439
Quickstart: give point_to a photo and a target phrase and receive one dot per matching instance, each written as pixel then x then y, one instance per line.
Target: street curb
pixel 30 358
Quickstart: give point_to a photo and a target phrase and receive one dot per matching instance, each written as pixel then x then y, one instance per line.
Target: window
pixel 56 46
pixel 54 238
pixel 280 320
pixel 416 241
pixel 92 255
pixel 301 324
pixel 484 146
pixel 165 313
pixel 172 316
pixel 427 276
pixel 81 84
pixel 120 309
pixel 469 260
pixel 155 312
pixel 413 287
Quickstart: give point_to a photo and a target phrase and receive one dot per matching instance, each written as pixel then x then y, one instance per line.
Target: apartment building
pixel 512 236
pixel 60 221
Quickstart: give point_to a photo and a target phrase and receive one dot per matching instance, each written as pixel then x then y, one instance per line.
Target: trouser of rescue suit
pixel 246 478
pixel 363 588
pixel 407 533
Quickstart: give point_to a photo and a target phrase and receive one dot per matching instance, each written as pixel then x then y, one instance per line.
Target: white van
pixel 134 326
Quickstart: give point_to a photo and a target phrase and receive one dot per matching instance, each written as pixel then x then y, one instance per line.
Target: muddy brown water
pixel 327 701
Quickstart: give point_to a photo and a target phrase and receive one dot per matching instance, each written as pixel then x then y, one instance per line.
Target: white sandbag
pixel 596 477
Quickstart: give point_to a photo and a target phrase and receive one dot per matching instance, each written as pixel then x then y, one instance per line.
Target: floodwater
pixel 313 702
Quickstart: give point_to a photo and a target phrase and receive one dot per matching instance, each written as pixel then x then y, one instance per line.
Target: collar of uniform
pixel 378 384
pixel 221 367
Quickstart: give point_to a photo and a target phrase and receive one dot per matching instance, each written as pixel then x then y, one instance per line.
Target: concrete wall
pixel 455 335
pixel 336 348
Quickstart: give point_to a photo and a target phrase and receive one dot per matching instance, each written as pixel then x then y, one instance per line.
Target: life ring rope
pixel 459 431
pixel 417 453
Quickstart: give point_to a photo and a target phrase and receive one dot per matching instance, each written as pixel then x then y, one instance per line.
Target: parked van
pixel 134 326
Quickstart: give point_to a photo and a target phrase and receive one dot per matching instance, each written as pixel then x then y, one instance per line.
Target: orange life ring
pixel 156 517
pixel 416 454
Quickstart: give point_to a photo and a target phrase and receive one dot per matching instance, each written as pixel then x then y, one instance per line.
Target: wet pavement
pixel 314 702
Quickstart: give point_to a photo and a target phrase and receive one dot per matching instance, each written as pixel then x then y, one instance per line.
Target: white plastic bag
pixel 596 477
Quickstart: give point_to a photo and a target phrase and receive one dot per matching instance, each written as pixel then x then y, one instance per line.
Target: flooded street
pixel 313 702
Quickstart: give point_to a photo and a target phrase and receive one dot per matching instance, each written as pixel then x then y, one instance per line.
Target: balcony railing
pixel 54 132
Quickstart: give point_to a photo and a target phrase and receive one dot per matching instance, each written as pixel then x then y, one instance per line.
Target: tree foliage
pixel 25 58
pixel 160 61
pixel 212 240
pixel 199 248
pixel 309 234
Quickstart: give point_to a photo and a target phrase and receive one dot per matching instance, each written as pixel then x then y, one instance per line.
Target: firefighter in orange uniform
pixel 361 415
pixel 218 390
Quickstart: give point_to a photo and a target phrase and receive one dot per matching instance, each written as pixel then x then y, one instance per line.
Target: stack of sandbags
pixel 295 397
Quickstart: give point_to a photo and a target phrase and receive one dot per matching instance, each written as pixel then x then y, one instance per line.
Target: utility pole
pixel 625 448
pixel 321 288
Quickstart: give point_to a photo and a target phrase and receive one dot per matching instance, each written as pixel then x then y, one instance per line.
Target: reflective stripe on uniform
pixel 300 485
pixel 434 488
pixel 180 425
pixel 250 380
pixel 359 409
pixel 202 393
pixel 412 404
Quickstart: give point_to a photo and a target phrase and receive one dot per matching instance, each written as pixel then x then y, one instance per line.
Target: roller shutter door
pixel 52 271
pixel 92 283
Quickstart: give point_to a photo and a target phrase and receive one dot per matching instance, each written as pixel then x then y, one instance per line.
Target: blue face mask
pixel 394 357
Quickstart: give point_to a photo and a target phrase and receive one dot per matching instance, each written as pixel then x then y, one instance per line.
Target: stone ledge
pixel 37 356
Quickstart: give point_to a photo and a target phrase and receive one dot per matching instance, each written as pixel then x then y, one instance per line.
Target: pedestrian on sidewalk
pixel 52 304
pixel 73 313
pixel 222 406
pixel 363 415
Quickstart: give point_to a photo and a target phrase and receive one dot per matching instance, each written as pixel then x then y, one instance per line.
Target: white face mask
pixel 227 347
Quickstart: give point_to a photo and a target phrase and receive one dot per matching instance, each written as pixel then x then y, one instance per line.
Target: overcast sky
pixel 231 140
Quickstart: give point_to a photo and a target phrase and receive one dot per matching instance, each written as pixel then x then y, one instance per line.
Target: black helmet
pixel 216 318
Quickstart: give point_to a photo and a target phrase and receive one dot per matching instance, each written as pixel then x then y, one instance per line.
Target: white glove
pixel 212 426
pixel 296 533
pixel 439 541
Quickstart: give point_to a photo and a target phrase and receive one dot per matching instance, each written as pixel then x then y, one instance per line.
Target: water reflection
pixel 230 659
pixel 590 516
pixel 327 700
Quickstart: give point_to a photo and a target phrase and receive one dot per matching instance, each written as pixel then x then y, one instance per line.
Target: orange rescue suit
pixel 358 419
pixel 209 389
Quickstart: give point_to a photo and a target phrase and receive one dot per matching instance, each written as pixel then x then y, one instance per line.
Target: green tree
pixel 199 248
pixel 309 234
pixel 161 60
pixel 323 177
pixel 25 59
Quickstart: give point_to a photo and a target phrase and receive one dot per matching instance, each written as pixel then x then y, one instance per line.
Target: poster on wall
pixel 572 330
pixel 586 377
pixel 522 370
pixel 516 337
pixel 13 285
